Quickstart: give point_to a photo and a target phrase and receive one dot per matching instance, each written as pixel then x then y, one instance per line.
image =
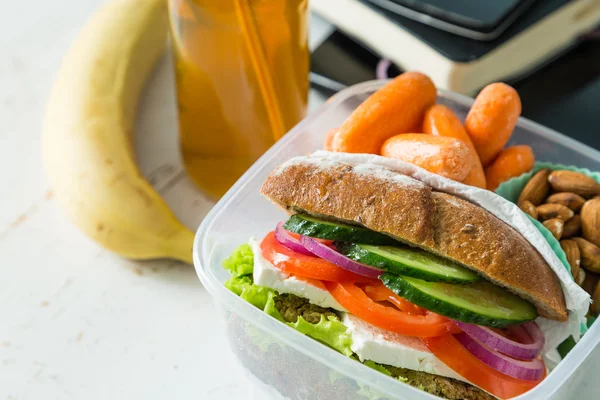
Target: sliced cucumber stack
pixel 310 226
pixel 480 303
pixel 408 261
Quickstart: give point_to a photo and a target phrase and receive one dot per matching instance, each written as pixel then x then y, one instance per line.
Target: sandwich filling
pixel 391 307
pixel 400 276
pixel 368 341
pixel 315 313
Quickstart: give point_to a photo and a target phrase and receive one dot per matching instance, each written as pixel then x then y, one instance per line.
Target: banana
pixel 87 136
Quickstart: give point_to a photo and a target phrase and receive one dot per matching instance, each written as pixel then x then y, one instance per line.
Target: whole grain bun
pixel 412 212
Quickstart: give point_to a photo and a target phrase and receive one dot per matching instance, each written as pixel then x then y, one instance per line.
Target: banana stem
pixel 179 247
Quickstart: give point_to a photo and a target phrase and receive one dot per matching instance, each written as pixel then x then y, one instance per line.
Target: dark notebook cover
pixel 476 15
pixel 563 96
pixel 461 49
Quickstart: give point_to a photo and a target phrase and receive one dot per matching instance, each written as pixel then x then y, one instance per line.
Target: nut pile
pixel 568 204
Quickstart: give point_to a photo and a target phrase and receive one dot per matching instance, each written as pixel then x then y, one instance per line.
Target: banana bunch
pixel 88 131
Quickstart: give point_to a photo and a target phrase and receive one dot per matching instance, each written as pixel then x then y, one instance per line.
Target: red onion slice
pixel 523 351
pixel 289 241
pixel 531 370
pixel 382 68
pixel 327 253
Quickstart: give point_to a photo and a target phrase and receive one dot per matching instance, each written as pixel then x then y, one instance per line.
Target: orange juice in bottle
pixel 237 92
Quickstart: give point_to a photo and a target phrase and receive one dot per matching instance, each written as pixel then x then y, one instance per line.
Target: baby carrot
pixel 327 143
pixel 444 156
pixel 398 107
pixel 492 119
pixel 510 163
pixel 441 121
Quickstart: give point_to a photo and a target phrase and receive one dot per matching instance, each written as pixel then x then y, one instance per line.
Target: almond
pixel 590 254
pixel 536 189
pixel 548 211
pixel 573 255
pixel 590 220
pixel 580 277
pixel 575 182
pixel 555 226
pixel 567 199
pixel 595 309
pixel 589 283
pixel 572 227
pixel 529 208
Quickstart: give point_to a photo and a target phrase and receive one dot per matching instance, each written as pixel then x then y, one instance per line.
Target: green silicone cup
pixel 511 189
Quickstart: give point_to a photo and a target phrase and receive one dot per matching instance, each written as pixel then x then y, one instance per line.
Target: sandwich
pixel 425 286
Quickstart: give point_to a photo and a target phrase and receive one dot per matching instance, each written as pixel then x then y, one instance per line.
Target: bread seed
pixel 549 211
pixel 590 220
pixel 536 190
pixel 590 255
pixel 555 226
pixel 573 255
pixel 589 283
pixel 572 227
pixel 567 199
pixel 570 181
pixel 529 208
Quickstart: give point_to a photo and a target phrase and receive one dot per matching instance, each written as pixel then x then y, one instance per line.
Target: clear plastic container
pixel 294 366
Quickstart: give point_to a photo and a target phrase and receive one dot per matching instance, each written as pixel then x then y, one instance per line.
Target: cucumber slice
pixel 480 303
pixel 408 261
pixel 310 226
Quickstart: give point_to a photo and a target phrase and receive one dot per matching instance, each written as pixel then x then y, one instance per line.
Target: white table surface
pixel 76 321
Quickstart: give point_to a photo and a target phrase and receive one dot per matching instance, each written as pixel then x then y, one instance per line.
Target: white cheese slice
pixel 385 347
pixel 265 274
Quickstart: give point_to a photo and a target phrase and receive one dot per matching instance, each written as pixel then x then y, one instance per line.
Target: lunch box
pixel 290 365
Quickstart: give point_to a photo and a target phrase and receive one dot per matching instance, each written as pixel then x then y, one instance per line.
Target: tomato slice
pixel 353 299
pixel 298 264
pixel 377 291
pixel 459 359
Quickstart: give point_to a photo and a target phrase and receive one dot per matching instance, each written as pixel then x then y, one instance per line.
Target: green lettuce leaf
pixel 377 367
pixel 238 284
pixel 240 262
pixel 330 331
pixel 259 296
pixel 257 336
pixel 270 308
pixel 384 370
pixel 240 265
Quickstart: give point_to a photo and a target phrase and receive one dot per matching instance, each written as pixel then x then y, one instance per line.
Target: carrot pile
pixel 401 120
